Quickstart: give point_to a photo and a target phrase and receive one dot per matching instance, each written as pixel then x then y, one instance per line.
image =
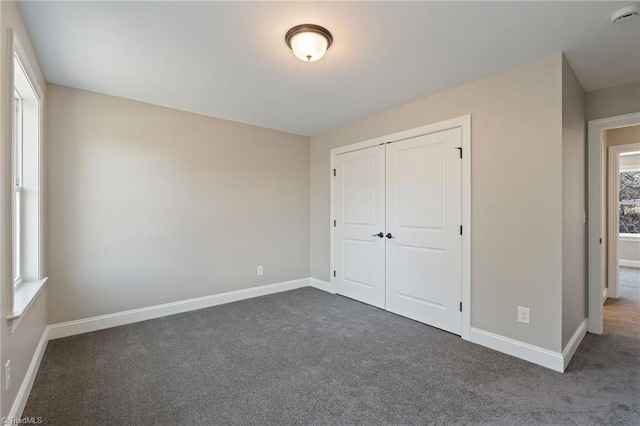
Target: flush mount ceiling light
pixel 309 42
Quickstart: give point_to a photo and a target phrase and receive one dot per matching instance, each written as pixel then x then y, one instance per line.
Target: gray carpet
pixel 308 357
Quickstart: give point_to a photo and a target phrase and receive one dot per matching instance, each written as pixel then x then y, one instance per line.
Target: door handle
pixel 379 234
pixel 389 235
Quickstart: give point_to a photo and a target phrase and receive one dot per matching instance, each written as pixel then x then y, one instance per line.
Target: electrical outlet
pixel 7 375
pixel 524 315
pixel 260 270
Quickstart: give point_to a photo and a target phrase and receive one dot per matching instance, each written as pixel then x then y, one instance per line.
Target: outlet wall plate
pixel 260 270
pixel 524 315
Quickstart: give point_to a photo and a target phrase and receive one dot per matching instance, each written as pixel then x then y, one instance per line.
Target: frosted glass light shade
pixel 309 42
pixel 309 46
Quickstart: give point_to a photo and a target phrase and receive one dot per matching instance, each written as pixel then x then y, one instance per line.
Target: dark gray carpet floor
pixel 308 357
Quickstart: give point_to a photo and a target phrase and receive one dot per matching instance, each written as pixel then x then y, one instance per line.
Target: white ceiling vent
pixel 626 13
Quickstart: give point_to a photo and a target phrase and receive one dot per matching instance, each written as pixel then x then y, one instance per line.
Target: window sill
pixel 23 297
pixel 629 237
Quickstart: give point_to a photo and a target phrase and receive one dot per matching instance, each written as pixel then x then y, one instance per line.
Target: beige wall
pixel 623 136
pixel 149 205
pixel 574 228
pixel 617 100
pixel 18 347
pixel 516 196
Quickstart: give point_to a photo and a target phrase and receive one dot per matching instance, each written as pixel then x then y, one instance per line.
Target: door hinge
pixel 334 223
pixel 460 148
pixel 334 273
pixel 460 229
pixel 460 306
pixel 334 172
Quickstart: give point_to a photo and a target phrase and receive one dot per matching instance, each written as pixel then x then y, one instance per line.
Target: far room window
pixel 629 201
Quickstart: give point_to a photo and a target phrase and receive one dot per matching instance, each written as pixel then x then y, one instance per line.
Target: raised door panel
pixel 423 214
pixel 358 209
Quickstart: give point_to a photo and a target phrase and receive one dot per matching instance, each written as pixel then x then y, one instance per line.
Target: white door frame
pixel 613 234
pixel 464 123
pixel 596 209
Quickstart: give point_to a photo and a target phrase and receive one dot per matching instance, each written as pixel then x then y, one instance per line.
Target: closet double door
pixel 397 229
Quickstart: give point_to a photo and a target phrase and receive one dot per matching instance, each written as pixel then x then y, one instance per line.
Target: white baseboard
pixel 518 349
pixel 544 357
pixel 321 285
pixel 65 329
pixel 29 378
pixel 629 263
pixel 575 341
pixel 87 325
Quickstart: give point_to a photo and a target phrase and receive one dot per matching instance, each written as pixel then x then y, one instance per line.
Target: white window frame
pixel 16 200
pixel 24 291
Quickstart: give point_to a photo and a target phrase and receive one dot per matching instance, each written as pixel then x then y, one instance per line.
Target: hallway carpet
pixel 309 357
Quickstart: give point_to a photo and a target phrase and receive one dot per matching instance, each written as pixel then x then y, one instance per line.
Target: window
pixel 17 186
pixel 629 194
pixel 26 233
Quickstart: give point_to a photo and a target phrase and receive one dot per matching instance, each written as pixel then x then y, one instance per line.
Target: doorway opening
pixel 623 204
pixel 607 211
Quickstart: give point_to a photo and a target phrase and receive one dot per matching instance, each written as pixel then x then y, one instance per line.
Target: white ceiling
pixel 230 60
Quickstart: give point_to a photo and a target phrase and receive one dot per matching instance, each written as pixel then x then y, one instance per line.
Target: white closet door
pixel 359 259
pixel 423 216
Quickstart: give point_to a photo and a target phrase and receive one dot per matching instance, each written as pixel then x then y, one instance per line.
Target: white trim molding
pixel 321 285
pixel 629 263
pixel 23 297
pixel 543 357
pixel 535 354
pixel 70 328
pixel 596 180
pixel 573 344
pixel 29 378
pixel 629 238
